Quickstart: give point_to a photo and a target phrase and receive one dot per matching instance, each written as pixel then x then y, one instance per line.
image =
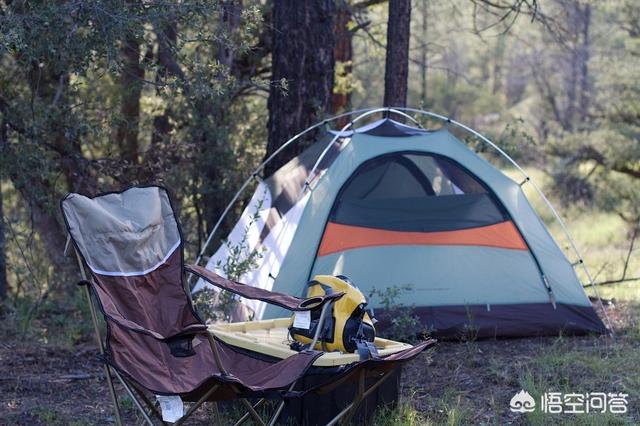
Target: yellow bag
pixel 348 325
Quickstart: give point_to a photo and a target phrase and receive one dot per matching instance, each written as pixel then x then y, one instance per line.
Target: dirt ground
pixel 456 383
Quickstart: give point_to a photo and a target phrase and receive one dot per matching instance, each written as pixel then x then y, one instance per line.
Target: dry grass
pixel 473 382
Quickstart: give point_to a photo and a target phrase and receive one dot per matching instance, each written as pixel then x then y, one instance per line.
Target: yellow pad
pixel 271 337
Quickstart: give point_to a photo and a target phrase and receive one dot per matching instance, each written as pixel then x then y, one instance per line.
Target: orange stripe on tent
pixel 339 237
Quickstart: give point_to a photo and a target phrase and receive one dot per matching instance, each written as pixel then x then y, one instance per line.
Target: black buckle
pixel 181 346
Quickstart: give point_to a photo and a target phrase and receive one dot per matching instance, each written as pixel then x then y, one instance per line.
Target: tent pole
pixel 538 191
pixel 576 251
pixel 311 173
pixel 335 138
pixel 404 112
pixel 262 165
pixel 255 173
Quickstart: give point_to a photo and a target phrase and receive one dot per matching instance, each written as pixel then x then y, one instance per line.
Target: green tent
pixel 389 204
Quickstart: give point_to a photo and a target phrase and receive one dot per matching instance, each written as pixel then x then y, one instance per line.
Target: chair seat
pixel 165 373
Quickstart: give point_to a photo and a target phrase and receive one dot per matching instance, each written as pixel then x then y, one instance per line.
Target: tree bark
pixel 572 89
pixel 585 83
pixel 168 66
pixel 424 52
pixel 49 86
pixel 577 79
pixel 215 144
pixel 131 88
pixel 231 12
pixel 397 61
pixel 3 249
pixel 343 55
pixel 303 57
pixel 3 245
pixel 498 58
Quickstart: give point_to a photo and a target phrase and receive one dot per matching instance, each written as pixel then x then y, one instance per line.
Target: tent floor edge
pixel 464 322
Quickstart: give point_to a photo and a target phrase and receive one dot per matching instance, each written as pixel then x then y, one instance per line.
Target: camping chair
pixel 155 343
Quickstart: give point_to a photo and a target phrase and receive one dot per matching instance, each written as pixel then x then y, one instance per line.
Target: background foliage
pixel 98 95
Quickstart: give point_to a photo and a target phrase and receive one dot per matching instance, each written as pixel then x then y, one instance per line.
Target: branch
pixel 631 244
pixel 542 83
pixel 4 109
pixel 446 69
pixel 366 4
pixel 365 29
pixel 612 282
pixel 508 8
pixel 627 171
pixel 623 278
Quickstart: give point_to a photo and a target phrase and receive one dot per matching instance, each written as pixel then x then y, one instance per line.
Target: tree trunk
pixel 577 72
pixel 303 57
pixel 424 51
pixel 3 249
pixel 131 88
pixel 498 58
pixel 168 66
pixel 572 89
pixel 231 12
pixel 585 83
pixel 343 56
pixel 397 64
pixel 39 191
pixel 3 245
pixel 214 144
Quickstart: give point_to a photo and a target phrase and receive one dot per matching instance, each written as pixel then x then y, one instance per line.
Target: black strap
pixel 367 350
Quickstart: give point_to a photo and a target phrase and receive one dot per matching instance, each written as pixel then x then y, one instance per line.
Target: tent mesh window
pixel 415 192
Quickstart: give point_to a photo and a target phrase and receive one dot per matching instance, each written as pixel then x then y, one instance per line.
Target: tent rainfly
pixel 389 204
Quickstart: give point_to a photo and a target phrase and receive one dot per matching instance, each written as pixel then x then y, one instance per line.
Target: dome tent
pixel 391 204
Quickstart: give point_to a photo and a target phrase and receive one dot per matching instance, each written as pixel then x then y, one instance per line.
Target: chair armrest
pixel 132 325
pixel 286 301
pixel 111 313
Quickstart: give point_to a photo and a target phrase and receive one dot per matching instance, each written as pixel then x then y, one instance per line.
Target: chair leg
pixel 134 399
pixel 96 329
pixel 114 397
pixel 195 406
pixel 358 399
pixel 189 412
pixel 152 406
pixel 217 413
pixel 355 403
pixel 275 416
pixel 247 415
pixel 312 345
pixel 253 412
pixel 216 356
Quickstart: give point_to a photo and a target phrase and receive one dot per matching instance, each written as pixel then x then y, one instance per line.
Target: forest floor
pixel 461 383
pixel 473 382
pixel 49 374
